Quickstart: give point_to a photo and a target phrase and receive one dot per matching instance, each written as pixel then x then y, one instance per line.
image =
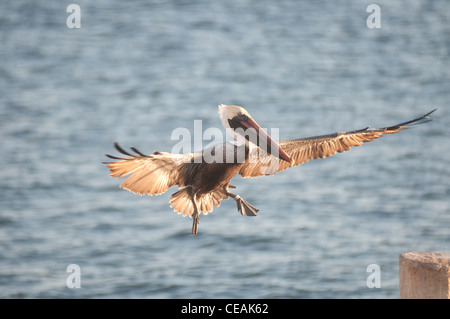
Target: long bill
pixel 264 141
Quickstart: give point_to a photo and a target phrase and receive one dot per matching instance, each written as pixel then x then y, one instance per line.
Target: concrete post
pixel 424 275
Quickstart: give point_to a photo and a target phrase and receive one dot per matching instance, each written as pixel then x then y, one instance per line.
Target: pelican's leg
pixel 245 208
pixel 195 217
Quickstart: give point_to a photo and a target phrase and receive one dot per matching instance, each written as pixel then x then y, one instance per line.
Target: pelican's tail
pixel 181 201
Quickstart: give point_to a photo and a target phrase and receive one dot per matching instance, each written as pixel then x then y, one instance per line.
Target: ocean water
pixel 136 70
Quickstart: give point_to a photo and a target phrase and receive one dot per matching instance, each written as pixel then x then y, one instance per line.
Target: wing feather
pixel 302 150
pixel 148 174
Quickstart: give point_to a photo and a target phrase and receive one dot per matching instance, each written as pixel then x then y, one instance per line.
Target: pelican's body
pixel 204 182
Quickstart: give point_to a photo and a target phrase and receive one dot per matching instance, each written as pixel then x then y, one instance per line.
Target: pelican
pixel 203 183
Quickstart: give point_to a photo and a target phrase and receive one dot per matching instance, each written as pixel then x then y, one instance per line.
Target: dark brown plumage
pixel 205 184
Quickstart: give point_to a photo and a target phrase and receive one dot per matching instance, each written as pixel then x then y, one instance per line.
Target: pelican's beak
pixel 263 140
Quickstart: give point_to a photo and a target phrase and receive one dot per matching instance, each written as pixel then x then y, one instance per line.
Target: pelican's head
pixel 238 122
pixel 230 113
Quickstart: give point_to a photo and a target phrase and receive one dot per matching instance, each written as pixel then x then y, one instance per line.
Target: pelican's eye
pixel 241 117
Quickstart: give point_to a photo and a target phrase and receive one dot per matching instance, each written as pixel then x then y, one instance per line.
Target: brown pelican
pixel 203 183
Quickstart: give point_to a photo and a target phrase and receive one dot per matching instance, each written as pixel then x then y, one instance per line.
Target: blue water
pixel 136 70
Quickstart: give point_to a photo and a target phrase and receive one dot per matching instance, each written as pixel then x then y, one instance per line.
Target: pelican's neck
pixel 241 151
pixel 223 114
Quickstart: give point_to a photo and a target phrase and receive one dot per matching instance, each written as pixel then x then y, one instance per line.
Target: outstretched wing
pixel 149 174
pixel 302 150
